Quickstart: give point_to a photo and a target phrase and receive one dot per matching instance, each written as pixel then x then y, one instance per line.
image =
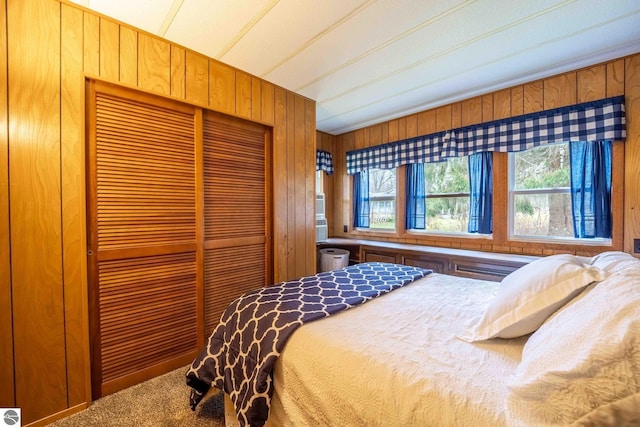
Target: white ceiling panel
pixel 212 26
pixel 271 44
pixel 368 61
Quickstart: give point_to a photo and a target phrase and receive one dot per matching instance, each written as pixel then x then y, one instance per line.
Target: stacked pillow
pixel 529 295
pixel 581 365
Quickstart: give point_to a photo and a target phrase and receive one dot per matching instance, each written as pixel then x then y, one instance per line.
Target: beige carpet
pixel 161 401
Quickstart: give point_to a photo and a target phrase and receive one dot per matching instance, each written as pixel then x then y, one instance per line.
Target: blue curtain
pixel 361 199
pixel 591 188
pixel 480 192
pixel 416 205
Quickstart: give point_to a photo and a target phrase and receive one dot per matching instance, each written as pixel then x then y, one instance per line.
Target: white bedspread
pixel 396 361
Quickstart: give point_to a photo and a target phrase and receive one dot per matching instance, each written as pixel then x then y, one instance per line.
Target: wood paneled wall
pixel 48 48
pixel 617 77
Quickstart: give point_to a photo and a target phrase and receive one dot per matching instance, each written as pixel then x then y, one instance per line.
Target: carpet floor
pixel 162 401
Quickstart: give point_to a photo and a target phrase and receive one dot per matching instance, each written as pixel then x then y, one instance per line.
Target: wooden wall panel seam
pixel 7 391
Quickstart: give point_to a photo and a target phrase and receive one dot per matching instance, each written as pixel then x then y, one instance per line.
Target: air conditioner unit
pixel 320 212
pixel 322 233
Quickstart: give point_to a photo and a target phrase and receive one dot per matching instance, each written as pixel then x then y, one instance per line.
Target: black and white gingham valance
pixel 589 121
pixel 324 161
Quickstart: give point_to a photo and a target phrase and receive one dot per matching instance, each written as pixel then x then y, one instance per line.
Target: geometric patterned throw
pixel 241 352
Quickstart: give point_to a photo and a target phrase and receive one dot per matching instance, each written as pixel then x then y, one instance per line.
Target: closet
pixel 178 226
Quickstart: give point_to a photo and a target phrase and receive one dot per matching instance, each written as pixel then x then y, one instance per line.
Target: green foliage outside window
pixel 447 213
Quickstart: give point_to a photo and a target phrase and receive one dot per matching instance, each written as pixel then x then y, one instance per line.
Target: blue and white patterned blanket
pixel 240 354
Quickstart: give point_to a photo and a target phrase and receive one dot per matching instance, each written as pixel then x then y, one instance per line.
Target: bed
pixel 556 343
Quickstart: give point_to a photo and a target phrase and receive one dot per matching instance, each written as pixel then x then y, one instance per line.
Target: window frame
pixel 461 234
pixel 512 193
pixel 396 211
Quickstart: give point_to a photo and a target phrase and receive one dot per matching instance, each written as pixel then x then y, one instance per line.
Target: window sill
pixel 605 243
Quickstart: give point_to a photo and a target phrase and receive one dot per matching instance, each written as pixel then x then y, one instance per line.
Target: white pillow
pixel 529 295
pixel 612 261
pixel 583 364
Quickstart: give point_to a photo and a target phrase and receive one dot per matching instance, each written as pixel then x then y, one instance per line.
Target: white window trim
pixel 598 241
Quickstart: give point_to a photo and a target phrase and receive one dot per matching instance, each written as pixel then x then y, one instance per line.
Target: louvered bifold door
pixel 236 211
pixel 143 255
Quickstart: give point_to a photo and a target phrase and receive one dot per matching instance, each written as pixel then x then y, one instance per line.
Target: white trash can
pixel 333 259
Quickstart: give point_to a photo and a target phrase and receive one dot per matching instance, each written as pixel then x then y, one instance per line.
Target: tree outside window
pixel 382 198
pixel 540 192
pixel 447 193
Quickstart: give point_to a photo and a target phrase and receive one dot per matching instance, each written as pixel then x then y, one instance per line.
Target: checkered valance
pixel 324 161
pixel 589 121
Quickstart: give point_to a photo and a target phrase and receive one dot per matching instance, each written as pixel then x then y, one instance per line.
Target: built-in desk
pixel 458 262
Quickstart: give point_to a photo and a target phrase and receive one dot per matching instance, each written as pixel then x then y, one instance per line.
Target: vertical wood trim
pixel 197 78
pixel 291 186
pixel 375 135
pixel 560 91
pixel 632 152
pixel 517 101
pixel 500 197
pixel 200 237
pixel 533 97
pixel 427 122
pixel 443 118
pixel 91 63
pixel 615 78
pixel 109 50
pixel 393 133
pixel 310 168
pixel 471 111
pixel 456 115
pixel 73 208
pixel 487 108
pixel 618 196
pixel 154 64
pixel 267 103
pixel 256 98
pixel 502 104
pixel 300 192
pixel 222 87
pixel 91 186
pixel 243 94
pixel 280 185
pixel 385 132
pixel 178 73
pixel 359 139
pixel 128 56
pixel 412 126
pixel 402 128
pixel 268 217
pixel 592 83
pixel 34 173
pixel 7 391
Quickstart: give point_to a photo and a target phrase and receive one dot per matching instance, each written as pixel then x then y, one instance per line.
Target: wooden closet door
pixel 237 211
pixel 145 285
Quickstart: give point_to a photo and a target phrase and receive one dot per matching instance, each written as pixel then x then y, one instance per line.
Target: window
pixel 540 192
pixel 382 198
pixel 375 199
pixel 540 196
pixel 447 192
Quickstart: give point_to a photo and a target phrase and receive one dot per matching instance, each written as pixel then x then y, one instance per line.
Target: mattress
pixel 397 361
